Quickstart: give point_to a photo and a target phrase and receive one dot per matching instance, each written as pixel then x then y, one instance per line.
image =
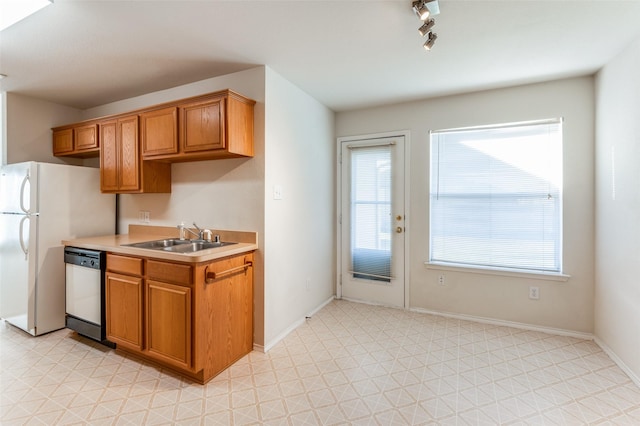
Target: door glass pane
pixel 371 212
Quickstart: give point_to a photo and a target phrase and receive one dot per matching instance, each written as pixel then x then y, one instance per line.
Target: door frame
pixel 406 134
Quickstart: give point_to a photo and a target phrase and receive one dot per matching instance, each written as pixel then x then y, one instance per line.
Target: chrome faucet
pixel 200 231
pixel 183 228
pixel 202 234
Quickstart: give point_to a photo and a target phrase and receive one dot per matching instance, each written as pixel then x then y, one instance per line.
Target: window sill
pixel 498 271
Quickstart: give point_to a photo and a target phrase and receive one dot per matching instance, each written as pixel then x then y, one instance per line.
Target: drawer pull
pixel 209 277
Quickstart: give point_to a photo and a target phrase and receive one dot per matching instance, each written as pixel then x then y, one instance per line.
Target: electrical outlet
pixel 534 293
pixel 147 217
pixel 441 279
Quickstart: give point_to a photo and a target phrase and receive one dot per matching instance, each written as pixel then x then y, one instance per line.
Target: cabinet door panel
pixel 159 132
pixel 169 323
pixel 86 137
pixel 203 126
pixel 108 156
pixel 124 310
pixel 62 141
pixel 129 154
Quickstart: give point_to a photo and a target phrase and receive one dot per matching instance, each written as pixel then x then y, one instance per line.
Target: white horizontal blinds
pixel 371 212
pixel 495 197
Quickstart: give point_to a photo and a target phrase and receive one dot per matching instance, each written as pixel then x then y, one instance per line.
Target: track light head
pixel 421 9
pixel 431 39
pixel 428 24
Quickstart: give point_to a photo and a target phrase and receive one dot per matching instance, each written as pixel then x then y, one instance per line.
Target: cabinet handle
pixel 209 277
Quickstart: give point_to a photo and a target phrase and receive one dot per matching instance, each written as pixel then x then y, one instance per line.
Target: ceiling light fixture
pixel 424 9
pixel 421 9
pixel 430 40
pixel 428 24
pixel 12 11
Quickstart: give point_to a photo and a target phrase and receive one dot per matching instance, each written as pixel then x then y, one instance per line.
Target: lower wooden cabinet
pixel 168 325
pixel 196 318
pixel 124 305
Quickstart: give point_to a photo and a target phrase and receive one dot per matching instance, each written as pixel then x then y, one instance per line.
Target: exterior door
pixel 372 220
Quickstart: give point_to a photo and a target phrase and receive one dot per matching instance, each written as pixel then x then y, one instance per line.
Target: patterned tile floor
pixel 350 364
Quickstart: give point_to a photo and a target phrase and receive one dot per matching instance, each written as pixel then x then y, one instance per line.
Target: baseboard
pixel 513 324
pixel 624 367
pixel 295 325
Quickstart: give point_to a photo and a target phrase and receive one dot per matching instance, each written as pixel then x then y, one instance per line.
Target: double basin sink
pixel 175 245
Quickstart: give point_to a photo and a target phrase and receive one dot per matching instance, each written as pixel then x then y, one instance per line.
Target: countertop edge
pixel 114 244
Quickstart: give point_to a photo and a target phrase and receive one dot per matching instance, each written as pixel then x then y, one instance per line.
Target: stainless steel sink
pixel 159 244
pixel 192 246
pixel 176 245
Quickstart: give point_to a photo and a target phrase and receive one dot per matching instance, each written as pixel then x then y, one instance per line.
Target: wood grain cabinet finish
pixel 121 167
pixel 78 141
pixel 168 315
pixel 137 147
pixel 194 318
pixel 214 126
pixel 123 296
pixel 159 132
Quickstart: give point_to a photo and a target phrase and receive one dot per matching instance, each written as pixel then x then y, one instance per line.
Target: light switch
pixel 277 192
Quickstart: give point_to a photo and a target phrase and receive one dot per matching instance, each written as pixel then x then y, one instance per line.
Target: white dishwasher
pixel 85 305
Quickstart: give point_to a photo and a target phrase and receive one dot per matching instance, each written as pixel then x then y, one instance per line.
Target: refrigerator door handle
pixel 25 248
pixel 26 180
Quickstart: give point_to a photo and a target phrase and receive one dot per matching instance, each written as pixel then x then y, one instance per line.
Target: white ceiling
pixel 346 53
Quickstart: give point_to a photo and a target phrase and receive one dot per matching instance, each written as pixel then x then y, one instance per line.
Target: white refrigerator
pixel 40 205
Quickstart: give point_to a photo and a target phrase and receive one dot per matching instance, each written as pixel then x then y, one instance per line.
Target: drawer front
pixel 124 264
pixel 175 273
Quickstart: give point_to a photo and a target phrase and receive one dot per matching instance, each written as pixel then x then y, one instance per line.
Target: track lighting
pixel 424 9
pixel 421 9
pixel 430 40
pixel 424 29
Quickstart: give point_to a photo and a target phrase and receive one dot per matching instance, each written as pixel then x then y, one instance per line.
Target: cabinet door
pixel 108 156
pixel 62 141
pixel 86 137
pixel 123 296
pixel 129 154
pixel 159 132
pixel 169 323
pixel 202 126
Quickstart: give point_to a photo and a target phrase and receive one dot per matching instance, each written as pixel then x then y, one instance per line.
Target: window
pixel 371 212
pixel 496 196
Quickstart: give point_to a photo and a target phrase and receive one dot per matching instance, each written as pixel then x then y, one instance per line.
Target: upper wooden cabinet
pixel 76 141
pixel 159 132
pixel 137 147
pixel 213 126
pixel 121 167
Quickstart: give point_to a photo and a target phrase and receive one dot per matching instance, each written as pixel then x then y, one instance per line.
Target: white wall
pixel 299 228
pixel 617 301
pixel 29 123
pixel 562 305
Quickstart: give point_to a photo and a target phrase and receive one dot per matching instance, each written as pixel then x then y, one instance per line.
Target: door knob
pixel 399 229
